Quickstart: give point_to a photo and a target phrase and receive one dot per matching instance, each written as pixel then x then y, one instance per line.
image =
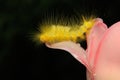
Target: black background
pixel 20 58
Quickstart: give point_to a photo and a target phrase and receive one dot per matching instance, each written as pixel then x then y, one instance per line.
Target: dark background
pixel 20 58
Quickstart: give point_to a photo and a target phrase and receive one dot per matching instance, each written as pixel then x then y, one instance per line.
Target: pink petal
pixel 93 39
pixel 73 48
pixel 107 61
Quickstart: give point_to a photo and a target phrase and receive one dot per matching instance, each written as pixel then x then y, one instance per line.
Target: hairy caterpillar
pixel 57 33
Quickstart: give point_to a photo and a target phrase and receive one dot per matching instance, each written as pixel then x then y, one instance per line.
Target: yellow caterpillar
pixel 57 33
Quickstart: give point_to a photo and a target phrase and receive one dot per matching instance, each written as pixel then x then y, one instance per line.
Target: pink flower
pixel 102 56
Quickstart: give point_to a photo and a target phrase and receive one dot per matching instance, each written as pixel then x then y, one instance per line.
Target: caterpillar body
pixel 57 33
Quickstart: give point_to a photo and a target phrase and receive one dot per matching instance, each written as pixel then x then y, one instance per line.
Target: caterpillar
pixel 56 32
